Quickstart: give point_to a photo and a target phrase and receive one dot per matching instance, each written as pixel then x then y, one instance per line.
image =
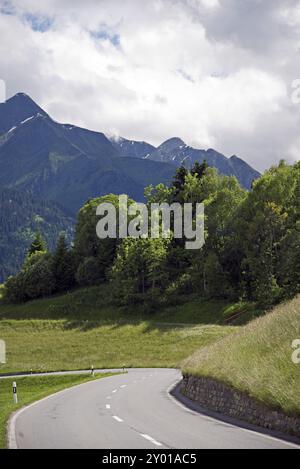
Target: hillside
pixel 21 215
pixel 82 328
pixel 257 359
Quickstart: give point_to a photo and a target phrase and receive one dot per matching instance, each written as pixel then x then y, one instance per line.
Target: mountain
pixel 176 152
pixel 20 217
pixel 65 163
pixel 68 164
pixel 132 148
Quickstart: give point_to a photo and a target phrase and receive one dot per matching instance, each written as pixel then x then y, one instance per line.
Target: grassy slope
pixel 257 359
pixel 33 389
pixel 78 330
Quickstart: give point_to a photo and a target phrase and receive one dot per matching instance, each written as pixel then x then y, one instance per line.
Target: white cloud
pixel 211 72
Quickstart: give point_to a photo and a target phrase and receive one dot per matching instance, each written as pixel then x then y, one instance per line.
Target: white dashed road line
pixel 114 391
pixel 123 386
pixel 108 406
pixel 117 419
pixel 149 438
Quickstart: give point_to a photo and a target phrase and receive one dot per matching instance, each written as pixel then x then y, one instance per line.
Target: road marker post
pixel 15 394
pixel 93 371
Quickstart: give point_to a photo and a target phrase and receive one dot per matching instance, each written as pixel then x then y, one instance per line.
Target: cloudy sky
pixel 217 73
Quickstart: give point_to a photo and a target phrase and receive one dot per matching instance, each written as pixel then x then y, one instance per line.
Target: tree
pixel 139 268
pixel 35 280
pixel 15 288
pixel 178 183
pixel 89 272
pixel 214 277
pixel 264 220
pixel 39 280
pixel 63 265
pixel 87 244
pixel 37 245
pixel 158 194
pixel 199 169
pixel 289 262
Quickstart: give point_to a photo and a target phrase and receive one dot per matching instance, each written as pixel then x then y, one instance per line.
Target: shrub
pixel 39 279
pixel 34 281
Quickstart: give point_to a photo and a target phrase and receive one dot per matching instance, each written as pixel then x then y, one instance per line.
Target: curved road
pixel 128 411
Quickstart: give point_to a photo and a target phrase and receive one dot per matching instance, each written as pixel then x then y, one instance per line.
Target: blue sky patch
pixel 38 23
pixel 7 8
pixel 106 36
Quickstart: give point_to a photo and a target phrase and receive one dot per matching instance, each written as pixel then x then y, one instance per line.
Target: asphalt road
pixel 128 411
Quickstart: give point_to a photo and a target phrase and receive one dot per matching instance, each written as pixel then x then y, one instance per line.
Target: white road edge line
pixel 149 438
pixel 11 433
pixel 263 435
pixel 117 419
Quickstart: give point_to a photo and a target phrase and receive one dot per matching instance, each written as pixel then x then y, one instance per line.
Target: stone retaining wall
pixel 223 399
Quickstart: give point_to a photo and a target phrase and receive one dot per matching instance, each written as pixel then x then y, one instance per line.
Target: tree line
pixel 252 248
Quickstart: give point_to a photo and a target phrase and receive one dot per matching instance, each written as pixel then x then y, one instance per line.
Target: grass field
pixel 32 389
pixel 81 329
pixel 257 359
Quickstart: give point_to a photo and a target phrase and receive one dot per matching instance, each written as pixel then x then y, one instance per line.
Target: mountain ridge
pixel 176 151
pixel 62 162
pixel 70 164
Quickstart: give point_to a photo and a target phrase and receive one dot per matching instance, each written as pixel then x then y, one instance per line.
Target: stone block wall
pixel 221 398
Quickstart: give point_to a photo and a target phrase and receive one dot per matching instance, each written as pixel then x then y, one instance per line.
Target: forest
pixel 251 251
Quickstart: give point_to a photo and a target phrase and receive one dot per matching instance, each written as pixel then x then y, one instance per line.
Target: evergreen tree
pixel 179 182
pixel 37 245
pixel 199 169
pixel 63 265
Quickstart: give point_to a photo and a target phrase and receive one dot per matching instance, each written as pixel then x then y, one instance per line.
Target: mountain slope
pixel 20 217
pixel 244 173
